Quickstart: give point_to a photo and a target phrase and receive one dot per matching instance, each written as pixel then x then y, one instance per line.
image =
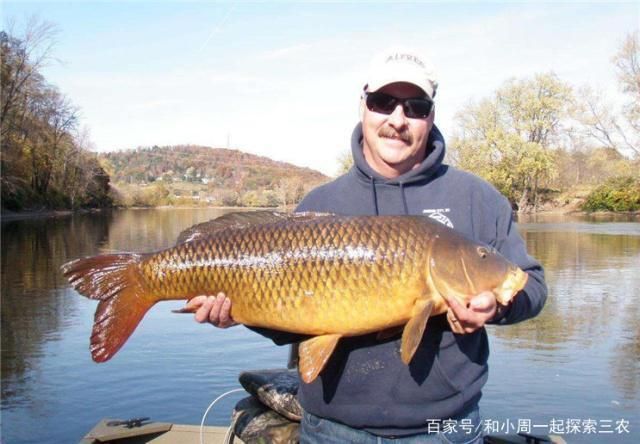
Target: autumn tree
pixel 509 138
pixel 22 60
pixel 345 161
pixel 43 159
pixel 290 191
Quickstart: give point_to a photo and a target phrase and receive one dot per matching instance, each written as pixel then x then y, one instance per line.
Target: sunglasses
pixel 414 108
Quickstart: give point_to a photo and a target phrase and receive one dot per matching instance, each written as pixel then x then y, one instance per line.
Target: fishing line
pixel 209 408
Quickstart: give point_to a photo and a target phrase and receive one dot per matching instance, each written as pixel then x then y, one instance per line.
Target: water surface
pixel 579 360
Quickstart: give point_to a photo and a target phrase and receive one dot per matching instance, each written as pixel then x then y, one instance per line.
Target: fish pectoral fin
pixel 413 331
pixel 389 333
pixel 314 354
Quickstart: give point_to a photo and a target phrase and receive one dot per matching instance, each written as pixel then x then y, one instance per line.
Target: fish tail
pixel 117 282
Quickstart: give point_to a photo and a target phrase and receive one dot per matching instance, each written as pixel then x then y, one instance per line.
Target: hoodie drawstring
pixel 374 194
pixel 404 199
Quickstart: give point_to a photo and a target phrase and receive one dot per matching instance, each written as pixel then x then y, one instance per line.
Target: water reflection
pixel 34 310
pixel 592 318
pixel 594 295
pixel 625 360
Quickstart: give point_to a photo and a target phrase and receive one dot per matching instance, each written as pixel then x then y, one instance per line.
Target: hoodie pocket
pixel 433 387
pixel 449 384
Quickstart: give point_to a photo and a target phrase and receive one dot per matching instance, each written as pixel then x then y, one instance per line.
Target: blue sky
pixel 283 79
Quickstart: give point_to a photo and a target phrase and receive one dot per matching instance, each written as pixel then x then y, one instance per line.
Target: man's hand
pixel 482 308
pixel 215 310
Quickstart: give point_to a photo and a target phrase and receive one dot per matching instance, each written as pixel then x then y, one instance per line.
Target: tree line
pixel 200 175
pixel 539 139
pixel 45 157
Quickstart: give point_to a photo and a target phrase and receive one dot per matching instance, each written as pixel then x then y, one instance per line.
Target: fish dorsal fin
pixel 241 220
pixel 413 331
pixel 314 354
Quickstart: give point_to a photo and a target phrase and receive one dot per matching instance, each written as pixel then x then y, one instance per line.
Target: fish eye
pixel 482 252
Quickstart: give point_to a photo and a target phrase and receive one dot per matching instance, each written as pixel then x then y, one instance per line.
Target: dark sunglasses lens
pixel 386 104
pixel 381 103
pixel 417 108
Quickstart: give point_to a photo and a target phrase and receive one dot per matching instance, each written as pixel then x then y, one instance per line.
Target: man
pixel 366 394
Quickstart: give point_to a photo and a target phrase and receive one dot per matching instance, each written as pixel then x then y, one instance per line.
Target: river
pixel 574 370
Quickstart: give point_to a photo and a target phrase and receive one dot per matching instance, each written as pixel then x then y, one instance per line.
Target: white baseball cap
pixel 401 65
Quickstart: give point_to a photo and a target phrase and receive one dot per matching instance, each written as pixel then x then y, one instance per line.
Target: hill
pixel 188 174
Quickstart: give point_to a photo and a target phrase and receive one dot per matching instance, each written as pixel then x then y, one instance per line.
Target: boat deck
pixel 156 433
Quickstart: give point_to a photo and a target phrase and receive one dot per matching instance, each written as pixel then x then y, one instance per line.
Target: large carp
pixel 316 274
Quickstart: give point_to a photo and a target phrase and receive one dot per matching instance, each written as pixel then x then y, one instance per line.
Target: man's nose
pixel 397 118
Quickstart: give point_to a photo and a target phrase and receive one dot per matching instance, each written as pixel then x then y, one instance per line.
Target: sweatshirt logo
pixel 438 214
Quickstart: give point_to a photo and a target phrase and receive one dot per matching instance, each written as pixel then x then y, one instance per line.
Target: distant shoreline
pixel 41 214
pixel 37 214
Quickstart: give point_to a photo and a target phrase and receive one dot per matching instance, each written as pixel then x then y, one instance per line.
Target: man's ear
pixel 361 111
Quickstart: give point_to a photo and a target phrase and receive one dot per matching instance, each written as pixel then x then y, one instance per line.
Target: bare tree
pixel 627 63
pixel 597 119
pixel 43 162
pixel 23 58
pixel 603 123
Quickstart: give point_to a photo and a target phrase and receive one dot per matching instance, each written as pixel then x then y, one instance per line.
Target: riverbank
pixel 46 213
pixel 35 214
pixel 7 215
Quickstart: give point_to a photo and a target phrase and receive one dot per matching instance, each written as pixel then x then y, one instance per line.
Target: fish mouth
pixel 515 281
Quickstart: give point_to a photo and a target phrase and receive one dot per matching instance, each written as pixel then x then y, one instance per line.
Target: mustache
pixel 403 135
